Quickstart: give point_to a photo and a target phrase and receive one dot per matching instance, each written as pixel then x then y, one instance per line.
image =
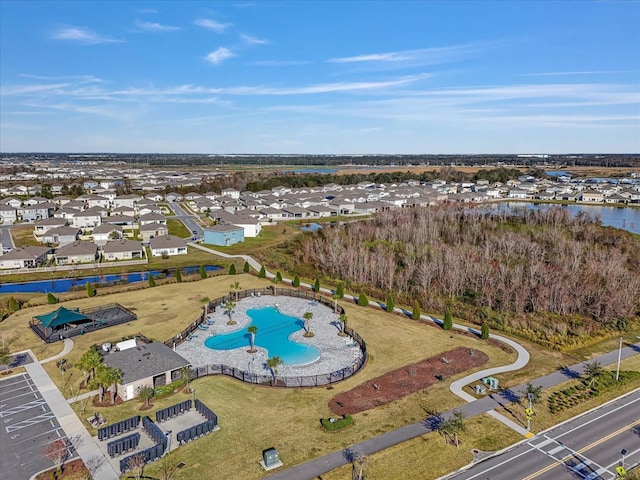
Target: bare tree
pixel 136 465
pixel 58 452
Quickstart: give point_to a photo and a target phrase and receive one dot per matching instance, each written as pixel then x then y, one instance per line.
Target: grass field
pixel 23 235
pixel 253 418
pixel 177 228
pixel 269 237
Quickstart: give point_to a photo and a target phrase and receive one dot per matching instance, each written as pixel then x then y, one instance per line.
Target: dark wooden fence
pixel 273 380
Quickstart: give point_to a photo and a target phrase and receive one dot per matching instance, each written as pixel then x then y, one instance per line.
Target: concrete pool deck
pixel 336 352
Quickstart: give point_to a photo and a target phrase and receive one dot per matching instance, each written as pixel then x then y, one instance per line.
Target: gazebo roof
pixel 61 316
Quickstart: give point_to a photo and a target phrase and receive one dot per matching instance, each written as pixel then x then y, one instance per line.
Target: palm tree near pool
pixel 273 363
pixel 307 318
pixel 343 322
pixel 205 303
pixel 230 306
pixel 252 331
pixel 235 288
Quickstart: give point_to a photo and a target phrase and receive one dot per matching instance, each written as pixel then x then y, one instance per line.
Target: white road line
pixel 598 418
pixel 30 422
pixel 22 395
pixel 39 435
pixel 556 450
pixel 25 406
pixel 500 464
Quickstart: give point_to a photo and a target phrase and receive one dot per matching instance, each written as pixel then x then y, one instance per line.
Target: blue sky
pixel 320 77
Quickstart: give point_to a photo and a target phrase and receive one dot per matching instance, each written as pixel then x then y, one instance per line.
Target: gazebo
pixel 60 319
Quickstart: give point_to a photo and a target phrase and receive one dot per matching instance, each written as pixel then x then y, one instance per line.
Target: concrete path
pixel 84 444
pixel 68 346
pixel 320 466
pixel 84 396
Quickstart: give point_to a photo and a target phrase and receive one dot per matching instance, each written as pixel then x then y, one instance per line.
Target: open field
pixel 428 457
pixel 269 237
pixel 253 418
pixel 177 228
pixel 23 235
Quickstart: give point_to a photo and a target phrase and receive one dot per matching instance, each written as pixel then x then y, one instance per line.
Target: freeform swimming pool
pixel 274 330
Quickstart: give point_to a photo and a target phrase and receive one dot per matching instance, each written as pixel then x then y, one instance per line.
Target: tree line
pixel 542 272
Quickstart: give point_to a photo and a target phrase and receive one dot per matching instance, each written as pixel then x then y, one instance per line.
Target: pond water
pixel 625 218
pixel 62 285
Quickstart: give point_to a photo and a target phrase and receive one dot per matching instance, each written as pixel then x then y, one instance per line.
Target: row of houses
pixel 82 251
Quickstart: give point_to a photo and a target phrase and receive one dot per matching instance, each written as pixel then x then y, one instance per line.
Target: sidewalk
pixel 74 429
pixel 318 467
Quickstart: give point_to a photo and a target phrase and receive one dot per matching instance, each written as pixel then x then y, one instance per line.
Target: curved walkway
pixel 68 346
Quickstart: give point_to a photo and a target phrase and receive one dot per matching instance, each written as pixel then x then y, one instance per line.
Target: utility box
pixel 481 390
pixel 270 459
pixel 491 382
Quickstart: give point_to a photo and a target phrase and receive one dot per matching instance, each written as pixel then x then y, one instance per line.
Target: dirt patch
pixel 408 379
pixel 106 401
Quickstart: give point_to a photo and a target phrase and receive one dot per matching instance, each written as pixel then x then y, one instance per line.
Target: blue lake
pixel 62 285
pixel 625 218
pixel 274 330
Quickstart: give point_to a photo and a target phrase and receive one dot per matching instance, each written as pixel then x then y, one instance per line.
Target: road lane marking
pixel 564 459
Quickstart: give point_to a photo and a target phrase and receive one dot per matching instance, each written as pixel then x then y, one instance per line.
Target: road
pixel 587 447
pixel 187 219
pixel 321 465
pixel 5 237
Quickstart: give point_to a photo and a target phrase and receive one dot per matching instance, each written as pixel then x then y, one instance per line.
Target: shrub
pixel 337 424
pixel 363 301
pixel 152 281
pixel 178 276
pixel 246 267
pixel 296 281
pixel 262 273
pixel 484 331
pixel 448 320
pixel 416 310
pixel 390 303
pixel 340 290
pixel 91 290
pixel 203 272
pixel 316 285
pixel 232 269
pixel 52 299
pixel 278 278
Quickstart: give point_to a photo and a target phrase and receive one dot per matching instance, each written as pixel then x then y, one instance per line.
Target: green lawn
pixel 177 228
pixel 269 237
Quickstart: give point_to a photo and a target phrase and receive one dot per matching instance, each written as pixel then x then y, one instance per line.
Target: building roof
pixel 26 253
pixel 166 241
pixel 224 228
pixel 61 316
pixel 144 361
pixel 77 248
pixel 122 245
pixel 152 227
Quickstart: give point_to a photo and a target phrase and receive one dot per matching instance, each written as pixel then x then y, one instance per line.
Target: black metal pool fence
pixel 273 380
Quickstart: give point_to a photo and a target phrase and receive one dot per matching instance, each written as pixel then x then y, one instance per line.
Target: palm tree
pixel 307 318
pixel 205 301
pixel 592 372
pixel 88 362
pixel 343 321
pixel 252 331
pixel 185 374
pixel 273 363
pixel 235 287
pixel 230 306
pixel 99 381
pixel 112 377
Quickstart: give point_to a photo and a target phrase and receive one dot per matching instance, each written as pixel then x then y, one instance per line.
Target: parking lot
pixel 27 426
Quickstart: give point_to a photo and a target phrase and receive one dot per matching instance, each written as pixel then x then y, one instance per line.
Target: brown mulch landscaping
pixel 74 469
pixel 408 379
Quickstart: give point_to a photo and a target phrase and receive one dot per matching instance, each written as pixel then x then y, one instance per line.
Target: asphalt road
pixel 187 219
pixel 5 237
pixel 587 447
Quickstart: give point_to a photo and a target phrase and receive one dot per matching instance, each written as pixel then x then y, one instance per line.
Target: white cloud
pixel 213 25
pixel 155 27
pixel 218 56
pixel 588 72
pixel 251 40
pixel 422 56
pixel 82 35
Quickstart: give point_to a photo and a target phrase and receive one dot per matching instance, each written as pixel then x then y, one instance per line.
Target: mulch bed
pixel 106 401
pixel 408 379
pixel 75 469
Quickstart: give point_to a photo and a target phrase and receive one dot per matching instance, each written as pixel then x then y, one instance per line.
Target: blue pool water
pixel 61 285
pixel 274 330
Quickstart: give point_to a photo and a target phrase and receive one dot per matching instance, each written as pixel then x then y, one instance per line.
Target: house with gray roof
pixel 61 235
pixel 24 257
pixel 123 249
pixel 149 230
pixel 105 232
pixel 151 365
pixel 167 245
pixel 77 252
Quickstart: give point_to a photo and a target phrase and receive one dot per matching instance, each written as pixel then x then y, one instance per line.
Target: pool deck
pixel 336 352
